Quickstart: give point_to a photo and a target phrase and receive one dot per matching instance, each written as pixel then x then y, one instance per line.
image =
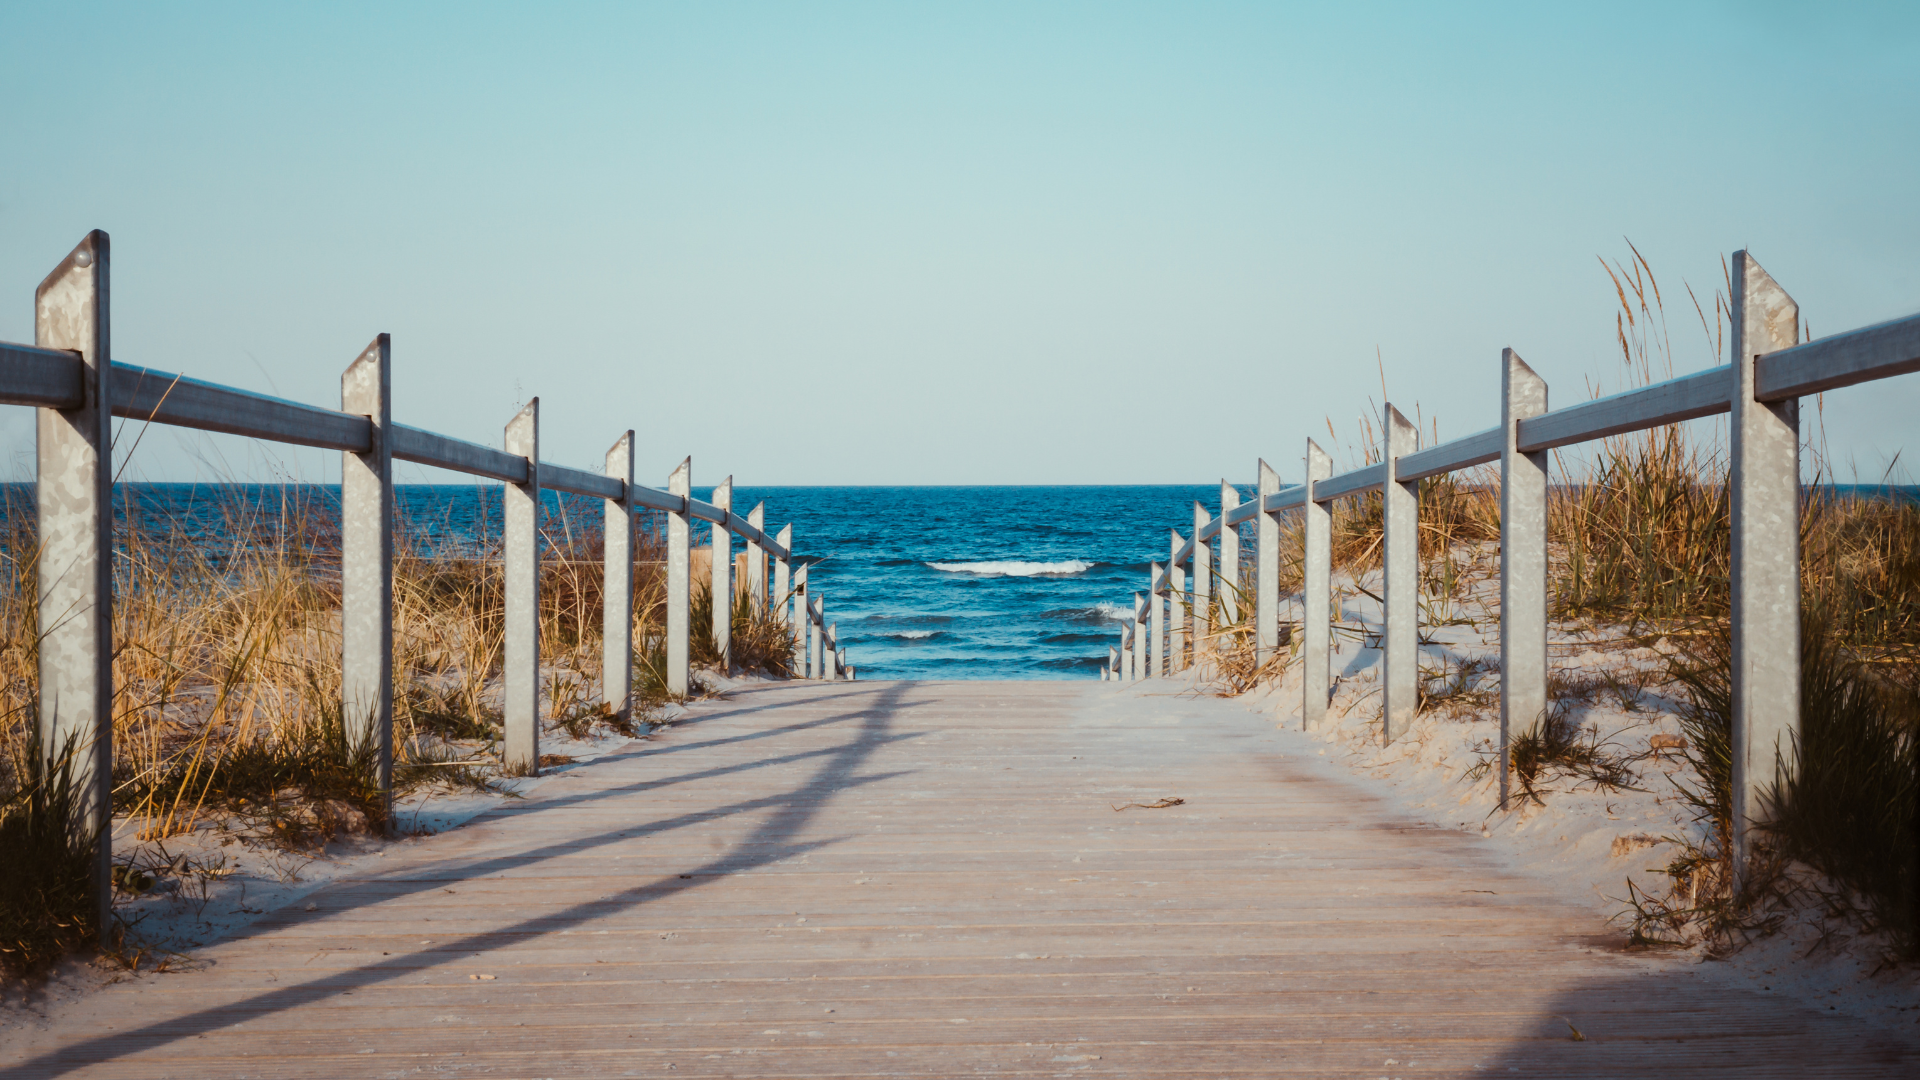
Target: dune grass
pixel 46 905
pixel 759 639
pixel 227 680
pixel 1639 533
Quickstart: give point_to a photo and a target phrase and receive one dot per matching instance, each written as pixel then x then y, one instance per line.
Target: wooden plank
pixel 940 866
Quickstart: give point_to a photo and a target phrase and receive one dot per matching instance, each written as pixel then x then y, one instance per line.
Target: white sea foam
pixel 912 635
pixel 1015 568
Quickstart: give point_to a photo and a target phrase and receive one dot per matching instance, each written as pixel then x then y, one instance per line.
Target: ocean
pixel 923 582
pixel 979 582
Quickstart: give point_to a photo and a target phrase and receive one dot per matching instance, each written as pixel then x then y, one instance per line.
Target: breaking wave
pixel 1015 568
pixel 1100 613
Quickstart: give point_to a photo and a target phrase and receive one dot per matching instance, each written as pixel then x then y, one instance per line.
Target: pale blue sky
pixel 907 243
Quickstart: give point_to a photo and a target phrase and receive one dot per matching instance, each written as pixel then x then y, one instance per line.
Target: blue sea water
pixel 923 582
pixel 979 582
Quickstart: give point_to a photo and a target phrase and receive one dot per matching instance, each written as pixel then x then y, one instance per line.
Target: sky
pixel 948 243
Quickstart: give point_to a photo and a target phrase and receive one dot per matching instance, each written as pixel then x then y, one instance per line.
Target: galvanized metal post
pixel 822 662
pixel 783 574
pixel 816 620
pixel 366 564
pixel 1156 621
pixel 1523 560
pixel 723 578
pixel 1177 610
pixel 74 571
pixel 800 621
pixel 1400 558
pixel 1766 555
pixel 679 582
pixel 616 630
pixel 756 583
pixel 1202 582
pixel 1229 557
pixel 1266 588
pixel 1316 594
pixel 520 653
pixel 1141 646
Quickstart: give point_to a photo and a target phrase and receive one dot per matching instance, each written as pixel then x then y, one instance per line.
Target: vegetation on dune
pixel 46 906
pixel 1639 535
pixel 227 683
pixel 1644 539
pixel 759 638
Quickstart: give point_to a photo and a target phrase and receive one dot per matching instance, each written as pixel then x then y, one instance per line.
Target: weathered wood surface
pixel 891 879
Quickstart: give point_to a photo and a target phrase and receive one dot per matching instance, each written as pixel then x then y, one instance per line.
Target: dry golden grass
pixel 1640 540
pixel 227 666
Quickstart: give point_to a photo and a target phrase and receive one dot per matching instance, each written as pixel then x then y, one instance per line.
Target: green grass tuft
pixel 46 905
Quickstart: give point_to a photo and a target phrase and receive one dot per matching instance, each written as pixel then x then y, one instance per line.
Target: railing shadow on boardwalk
pixel 797 806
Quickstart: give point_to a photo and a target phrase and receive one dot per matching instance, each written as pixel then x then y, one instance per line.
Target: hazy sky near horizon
pixel 957 243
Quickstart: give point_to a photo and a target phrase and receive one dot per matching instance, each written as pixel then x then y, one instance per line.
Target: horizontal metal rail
pixel 162 397
pixel 1857 356
pixel 581 482
pixel 1462 453
pixel 1284 499
pixel 757 536
pixel 655 499
pixel 457 455
pixel 1357 482
pixel 51 378
pixel 1183 556
pixel 1848 359
pixel 48 378
pixel 1763 483
pixel 1689 397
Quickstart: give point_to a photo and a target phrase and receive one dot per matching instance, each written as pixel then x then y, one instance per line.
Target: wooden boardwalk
pixel 928 879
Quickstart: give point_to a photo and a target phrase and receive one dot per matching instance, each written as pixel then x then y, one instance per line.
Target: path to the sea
pixel 929 879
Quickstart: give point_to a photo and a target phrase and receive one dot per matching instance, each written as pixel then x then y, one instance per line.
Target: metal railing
pixel 1761 388
pixel 69 375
